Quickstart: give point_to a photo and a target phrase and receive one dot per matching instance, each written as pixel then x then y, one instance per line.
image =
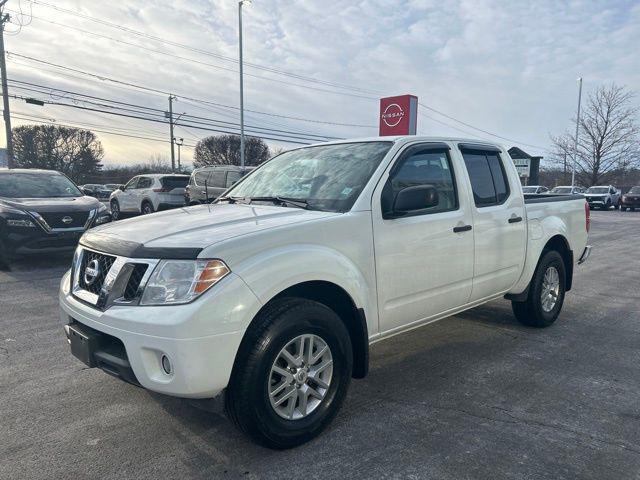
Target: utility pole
pixel 4 18
pixel 179 142
pixel 575 147
pixel 173 153
pixel 240 3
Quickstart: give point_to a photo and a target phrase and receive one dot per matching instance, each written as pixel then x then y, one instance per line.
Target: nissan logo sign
pixel 91 272
pixel 67 220
pixel 392 115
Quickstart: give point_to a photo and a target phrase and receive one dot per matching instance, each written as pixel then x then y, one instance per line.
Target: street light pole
pixel 575 146
pixel 240 3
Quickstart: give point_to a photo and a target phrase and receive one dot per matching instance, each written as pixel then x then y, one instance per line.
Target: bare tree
pixel 72 151
pixel 225 150
pixel 608 138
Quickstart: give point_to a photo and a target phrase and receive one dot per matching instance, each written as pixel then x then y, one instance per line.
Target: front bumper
pixel 200 339
pixel 34 239
pixel 630 203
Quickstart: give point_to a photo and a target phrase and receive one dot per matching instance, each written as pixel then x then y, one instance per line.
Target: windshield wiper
pixel 230 199
pixel 284 201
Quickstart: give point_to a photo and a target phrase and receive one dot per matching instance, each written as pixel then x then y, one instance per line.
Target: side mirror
pixel 411 199
pixel 121 187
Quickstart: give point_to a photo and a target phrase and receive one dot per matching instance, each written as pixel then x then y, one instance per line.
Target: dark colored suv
pixel 218 179
pixel 42 210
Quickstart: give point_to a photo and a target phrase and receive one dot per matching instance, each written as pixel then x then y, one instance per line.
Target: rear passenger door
pixel 424 260
pixel 498 220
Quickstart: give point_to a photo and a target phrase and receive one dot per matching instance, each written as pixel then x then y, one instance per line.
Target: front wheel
pixel 115 210
pixel 291 374
pixel 546 292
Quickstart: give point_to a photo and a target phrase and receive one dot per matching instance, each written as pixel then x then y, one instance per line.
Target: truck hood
pixel 597 195
pixel 199 226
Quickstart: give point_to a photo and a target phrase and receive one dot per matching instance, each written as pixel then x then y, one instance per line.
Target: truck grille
pixel 91 283
pixel 102 280
pixel 134 281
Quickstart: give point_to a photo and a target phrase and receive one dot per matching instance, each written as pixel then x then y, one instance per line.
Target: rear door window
pixel 200 177
pixel 217 179
pixel 487 176
pixel 145 182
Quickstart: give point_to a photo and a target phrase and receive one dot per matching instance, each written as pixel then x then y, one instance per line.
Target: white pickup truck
pixel 273 294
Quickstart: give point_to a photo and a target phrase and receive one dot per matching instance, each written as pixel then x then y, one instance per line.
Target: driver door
pixel 424 260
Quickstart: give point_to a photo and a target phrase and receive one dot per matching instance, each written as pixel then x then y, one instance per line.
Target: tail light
pixel 587 216
pixel 162 190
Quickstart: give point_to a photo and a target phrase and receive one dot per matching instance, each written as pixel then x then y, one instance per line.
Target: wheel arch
pixel 560 244
pixel 337 299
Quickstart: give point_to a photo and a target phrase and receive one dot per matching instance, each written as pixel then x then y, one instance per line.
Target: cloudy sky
pixel 506 67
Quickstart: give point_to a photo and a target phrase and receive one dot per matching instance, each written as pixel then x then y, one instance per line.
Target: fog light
pixel 166 364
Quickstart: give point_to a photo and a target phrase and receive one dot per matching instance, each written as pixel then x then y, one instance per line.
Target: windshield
pixel 327 177
pixel 598 190
pixel 529 189
pixel 37 185
pixel 634 190
pixel 561 190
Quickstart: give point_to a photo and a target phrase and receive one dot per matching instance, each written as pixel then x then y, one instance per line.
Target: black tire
pixel 531 311
pixel 115 210
pixel 146 208
pixel 607 205
pixel 247 398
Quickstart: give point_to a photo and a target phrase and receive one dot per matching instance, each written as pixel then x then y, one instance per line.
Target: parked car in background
pixel 149 193
pixel 275 292
pixel 631 199
pixel 218 178
pixel 566 190
pixel 101 192
pixel 603 196
pixel 534 189
pixel 112 186
pixel 42 210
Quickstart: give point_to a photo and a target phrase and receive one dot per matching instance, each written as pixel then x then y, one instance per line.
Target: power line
pixel 201 51
pixel 49 90
pixel 104 78
pixel 80 125
pixel 193 60
pixel 279 138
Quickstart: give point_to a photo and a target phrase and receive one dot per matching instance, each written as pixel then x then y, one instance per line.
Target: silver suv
pixel 218 179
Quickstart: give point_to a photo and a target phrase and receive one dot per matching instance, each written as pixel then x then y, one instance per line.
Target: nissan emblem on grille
pixel 91 272
pixel 67 220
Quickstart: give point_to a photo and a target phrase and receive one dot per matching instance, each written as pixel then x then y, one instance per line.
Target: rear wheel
pixel 291 373
pixel 115 210
pixel 546 292
pixel 146 208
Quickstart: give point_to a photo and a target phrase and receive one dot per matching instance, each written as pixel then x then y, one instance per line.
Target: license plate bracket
pixel 83 345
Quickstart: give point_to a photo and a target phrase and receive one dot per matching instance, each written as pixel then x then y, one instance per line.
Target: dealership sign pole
pixel 398 115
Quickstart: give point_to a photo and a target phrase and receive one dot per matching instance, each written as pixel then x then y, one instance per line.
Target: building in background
pixel 528 166
pixel 3 158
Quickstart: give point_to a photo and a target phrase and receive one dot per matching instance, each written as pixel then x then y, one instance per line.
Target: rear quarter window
pixel 174 182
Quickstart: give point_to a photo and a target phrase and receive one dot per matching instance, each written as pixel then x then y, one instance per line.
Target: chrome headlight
pixel 23 219
pixel 102 215
pixel 181 281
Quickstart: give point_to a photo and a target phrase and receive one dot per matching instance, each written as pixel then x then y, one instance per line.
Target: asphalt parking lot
pixel 473 396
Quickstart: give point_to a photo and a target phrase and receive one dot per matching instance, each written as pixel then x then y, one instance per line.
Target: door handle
pixel 463 228
pixel 515 219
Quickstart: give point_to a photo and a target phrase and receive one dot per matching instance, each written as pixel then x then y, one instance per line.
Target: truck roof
pixel 413 138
